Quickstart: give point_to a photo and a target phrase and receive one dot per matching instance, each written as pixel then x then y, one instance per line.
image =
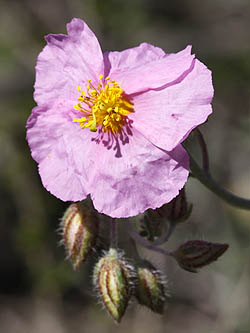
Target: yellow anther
pixel 105 105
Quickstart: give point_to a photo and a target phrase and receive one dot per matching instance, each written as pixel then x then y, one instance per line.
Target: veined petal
pixel 167 116
pixel 124 175
pixel 146 67
pixel 142 177
pixel 57 144
pixel 60 179
pixel 66 62
pixel 117 61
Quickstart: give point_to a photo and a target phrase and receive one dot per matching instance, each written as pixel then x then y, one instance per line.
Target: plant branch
pixel 211 184
pixel 145 243
pixel 113 233
pixel 168 230
pixel 204 151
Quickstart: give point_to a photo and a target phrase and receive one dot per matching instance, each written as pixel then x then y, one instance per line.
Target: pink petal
pixel 61 179
pixel 130 58
pixel 66 62
pixel 146 67
pixel 43 131
pixel 142 177
pixel 167 116
pixel 124 175
pixel 57 144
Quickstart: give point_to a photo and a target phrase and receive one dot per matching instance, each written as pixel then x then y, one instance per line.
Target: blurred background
pixel 39 291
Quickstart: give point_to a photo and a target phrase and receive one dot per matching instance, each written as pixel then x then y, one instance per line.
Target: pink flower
pixel 120 141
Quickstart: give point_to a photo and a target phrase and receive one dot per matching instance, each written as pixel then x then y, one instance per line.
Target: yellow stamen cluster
pixel 104 106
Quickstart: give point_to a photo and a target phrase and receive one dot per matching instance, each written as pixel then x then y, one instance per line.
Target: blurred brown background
pixel 39 292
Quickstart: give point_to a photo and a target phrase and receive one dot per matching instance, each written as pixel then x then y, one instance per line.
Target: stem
pixel 204 151
pixel 136 253
pixel 208 181
pixel 143 242
pixel 166 234
pixel 113 233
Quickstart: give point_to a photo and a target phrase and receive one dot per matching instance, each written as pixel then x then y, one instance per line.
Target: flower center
pixel 104 106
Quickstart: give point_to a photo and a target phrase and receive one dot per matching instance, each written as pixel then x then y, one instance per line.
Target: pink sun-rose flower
pixel 111 124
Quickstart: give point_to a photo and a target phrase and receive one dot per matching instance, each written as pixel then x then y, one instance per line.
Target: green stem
pixel 208 181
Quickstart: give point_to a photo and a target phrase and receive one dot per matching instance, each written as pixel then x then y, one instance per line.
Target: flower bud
pixel 150 289
pixel 196 254
pixel 154 222
pixel 178 210
pixel 112 278
pixel 80 227
pixel 151 225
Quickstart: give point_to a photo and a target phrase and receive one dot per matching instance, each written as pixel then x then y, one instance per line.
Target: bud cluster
pixel 116 280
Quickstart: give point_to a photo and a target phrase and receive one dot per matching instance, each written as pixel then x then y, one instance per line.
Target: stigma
pixel 106 106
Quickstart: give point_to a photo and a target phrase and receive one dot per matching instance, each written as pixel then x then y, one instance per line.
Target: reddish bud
pixel 178 210
pixel 196 254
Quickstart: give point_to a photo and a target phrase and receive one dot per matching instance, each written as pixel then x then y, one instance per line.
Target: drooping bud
pixel 178 210
pixel 157 225
pixel 197 253
pixel 151 225
pixel 112 279
pixel 151 287
pixel 79 227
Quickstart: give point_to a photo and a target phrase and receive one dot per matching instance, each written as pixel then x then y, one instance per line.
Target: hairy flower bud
pixel 196 254
pixel 112 279
pixel 157 225
pixel 79 227
pixel 150 289
pixel 151 225
pixel 178 210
